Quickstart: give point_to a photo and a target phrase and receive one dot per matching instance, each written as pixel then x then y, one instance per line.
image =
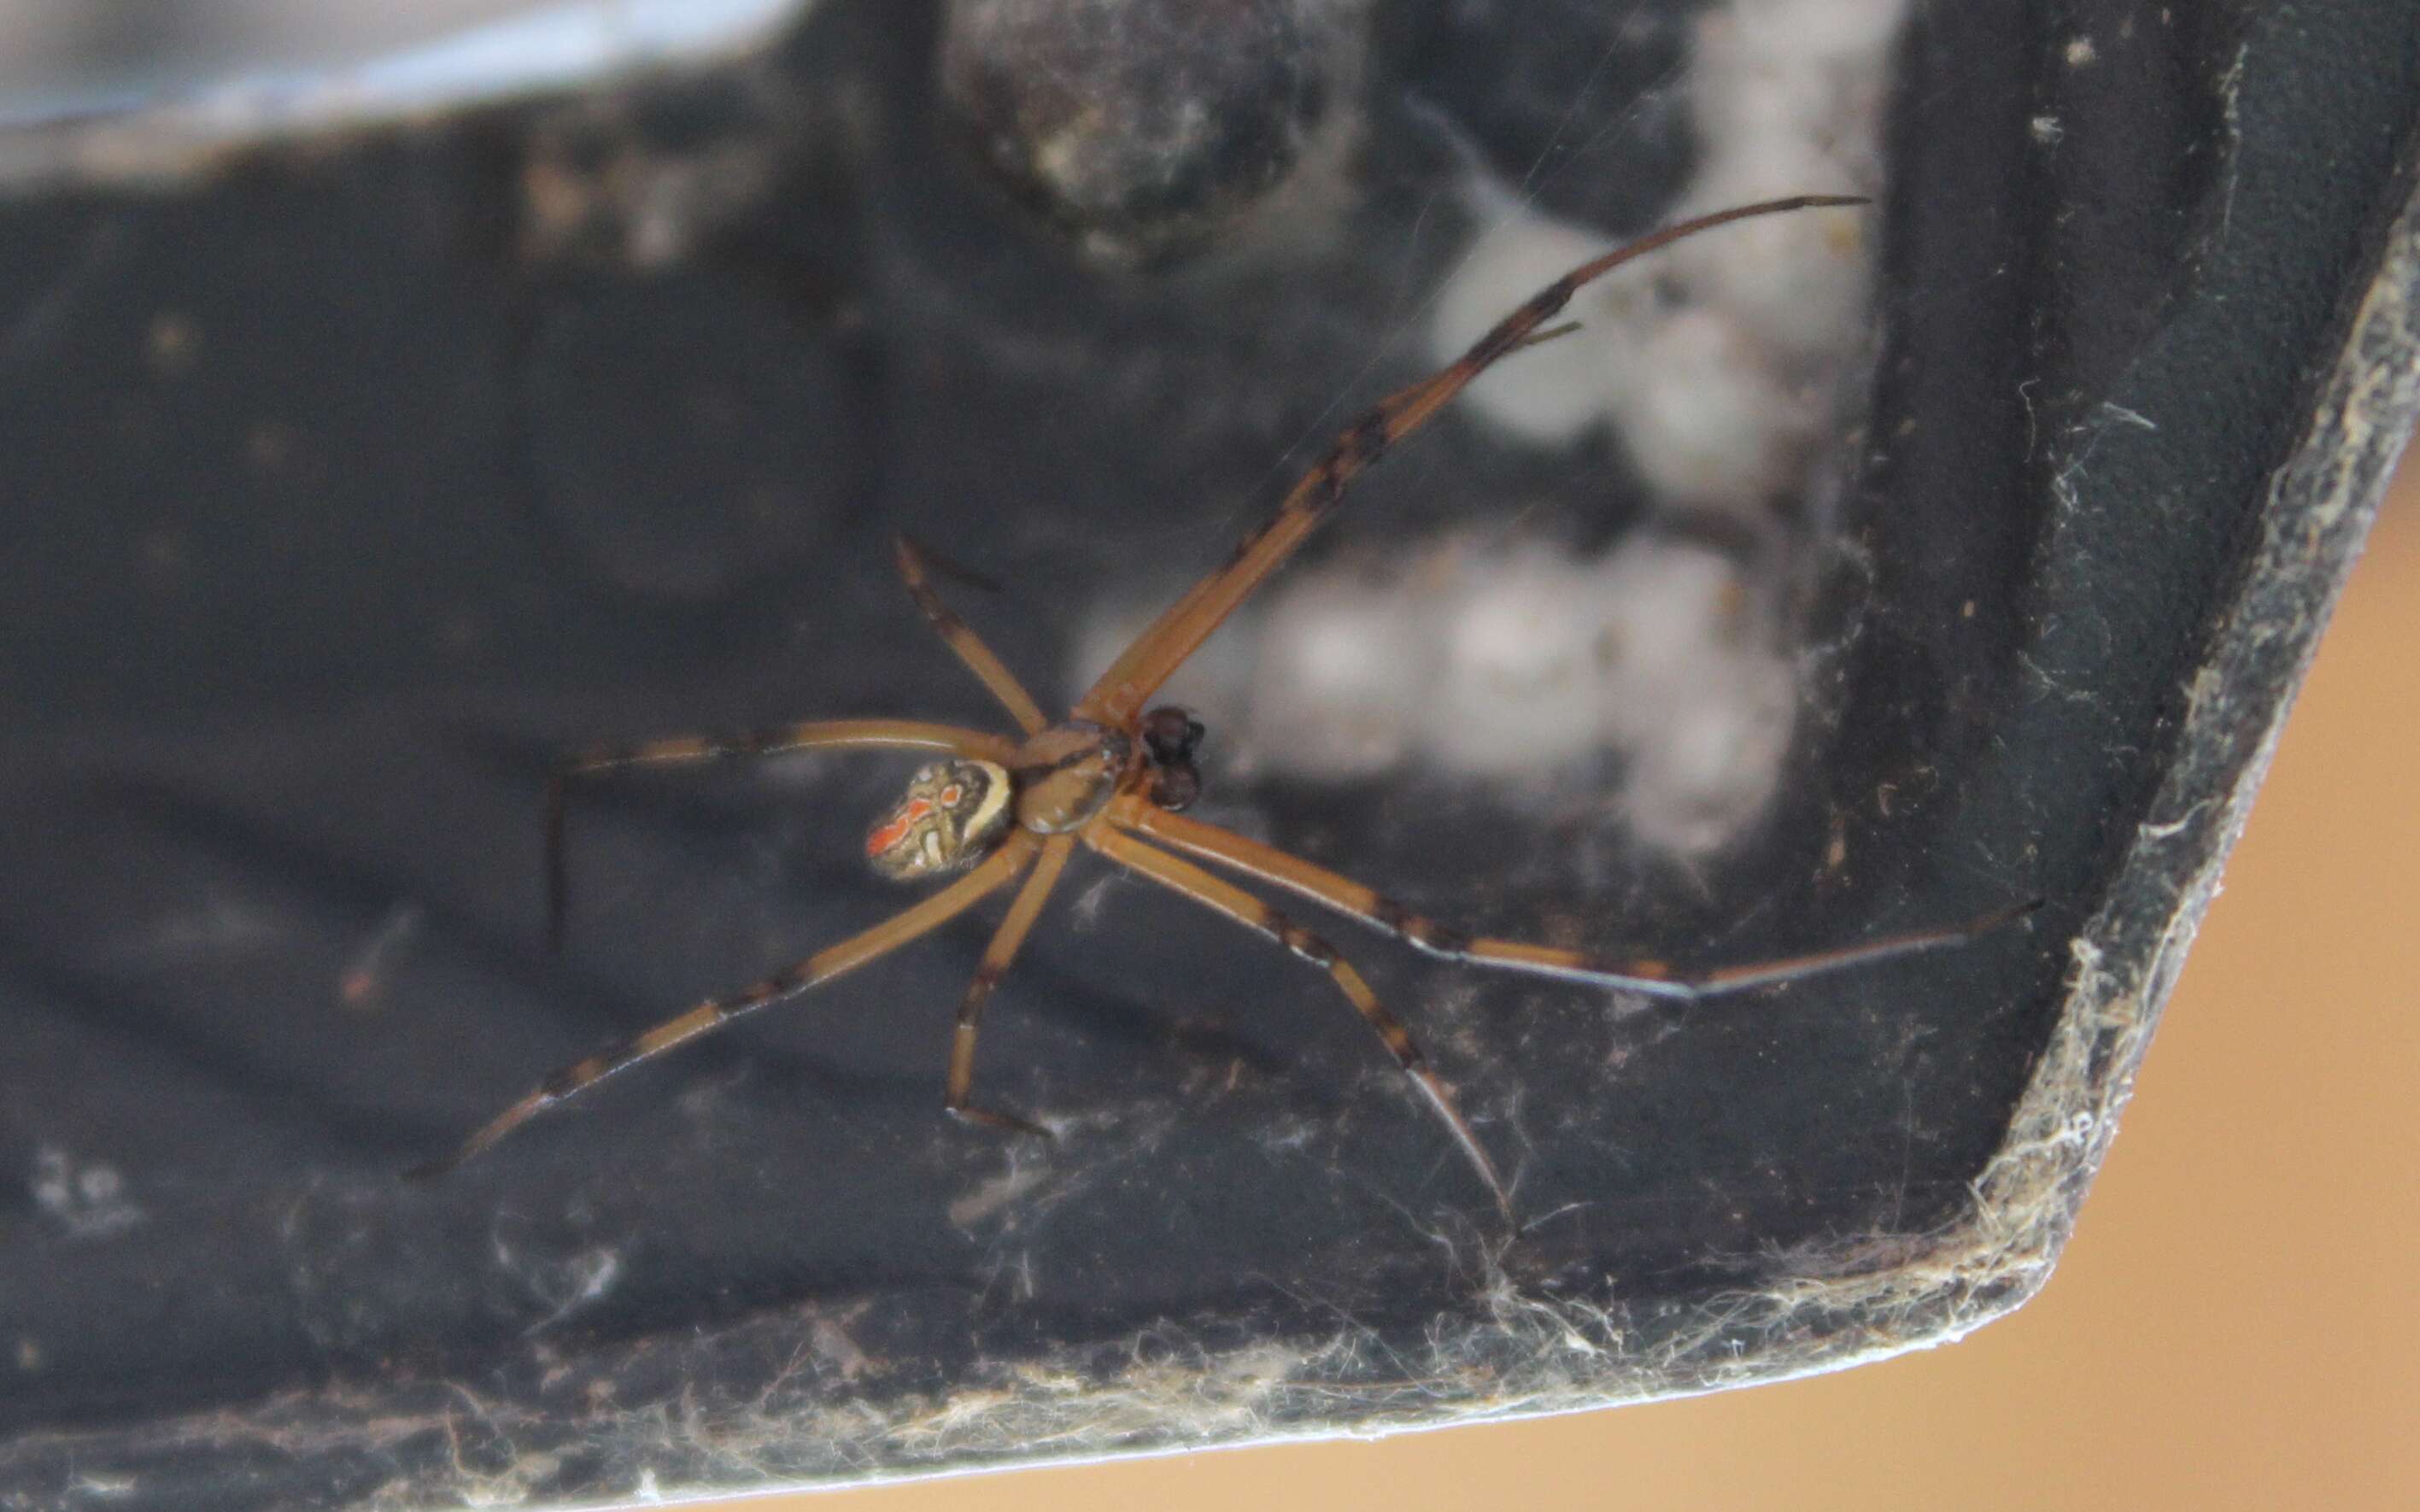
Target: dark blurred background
pixel 2235 1323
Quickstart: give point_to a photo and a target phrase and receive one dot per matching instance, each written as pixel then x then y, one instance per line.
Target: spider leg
pixel 994 965
pixel 1185 625
pixel 1653 978
pixel 880 734
pixel 1184 876
pixel 832 961
pixel 914 569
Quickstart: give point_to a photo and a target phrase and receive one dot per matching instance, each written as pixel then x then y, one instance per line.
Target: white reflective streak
pixel 72 105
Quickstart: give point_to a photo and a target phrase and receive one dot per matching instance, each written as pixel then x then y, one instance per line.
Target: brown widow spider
pixel 1112 777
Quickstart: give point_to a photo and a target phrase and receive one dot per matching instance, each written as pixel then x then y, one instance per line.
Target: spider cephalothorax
pixel 1068 773
pixel 949 818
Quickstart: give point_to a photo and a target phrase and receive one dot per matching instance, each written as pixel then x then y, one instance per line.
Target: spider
pixel 1114 777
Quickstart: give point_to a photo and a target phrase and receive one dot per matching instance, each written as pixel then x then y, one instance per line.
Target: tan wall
pixel 2237 1324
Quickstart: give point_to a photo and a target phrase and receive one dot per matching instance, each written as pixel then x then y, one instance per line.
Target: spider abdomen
pixel 952 814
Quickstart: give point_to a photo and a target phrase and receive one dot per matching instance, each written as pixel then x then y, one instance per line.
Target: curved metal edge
pixel 2316 516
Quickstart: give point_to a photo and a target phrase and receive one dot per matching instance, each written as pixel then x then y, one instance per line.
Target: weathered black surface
pixel 345 486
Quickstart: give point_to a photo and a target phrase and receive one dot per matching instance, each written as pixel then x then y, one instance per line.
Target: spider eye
pixel 951 795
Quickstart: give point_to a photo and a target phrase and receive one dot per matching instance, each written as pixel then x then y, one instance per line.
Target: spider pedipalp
pixel 1170 735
